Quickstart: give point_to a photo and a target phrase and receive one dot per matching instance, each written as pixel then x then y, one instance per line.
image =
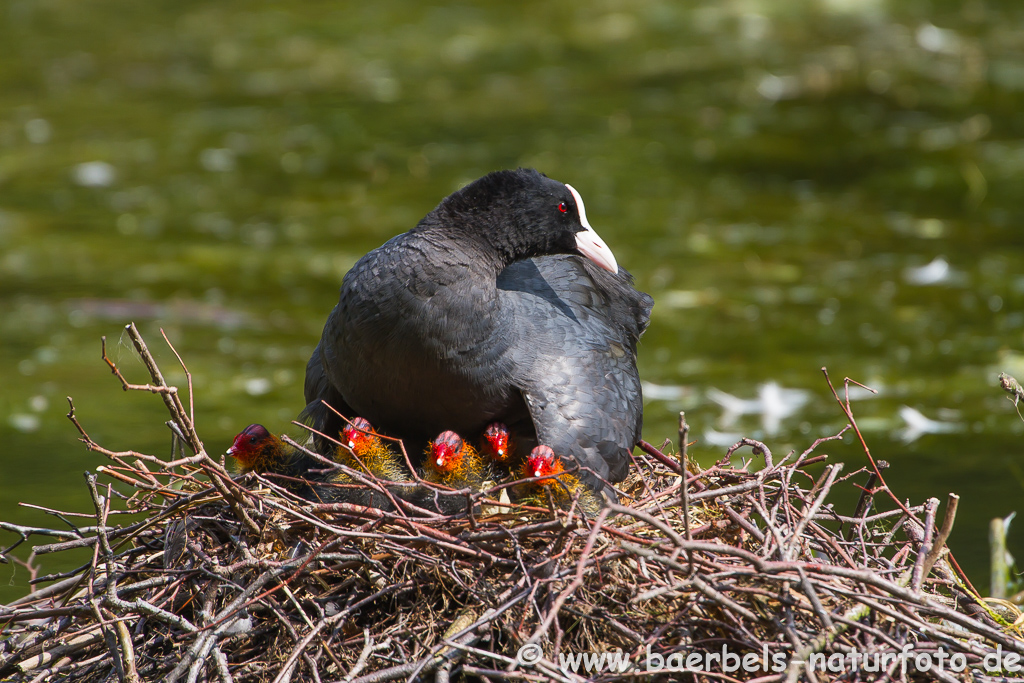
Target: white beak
pixel 589 242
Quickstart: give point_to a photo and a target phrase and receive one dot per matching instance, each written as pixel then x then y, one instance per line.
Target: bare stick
pixel 661 457
pixel 188 378
pixel 867 496
pixel 940 541
pixel 684 489
pixel 917 576
pixel 758 448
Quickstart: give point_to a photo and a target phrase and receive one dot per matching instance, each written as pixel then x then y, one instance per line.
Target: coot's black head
pixel 520 214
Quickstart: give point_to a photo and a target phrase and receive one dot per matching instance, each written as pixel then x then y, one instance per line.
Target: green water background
pixel 771 172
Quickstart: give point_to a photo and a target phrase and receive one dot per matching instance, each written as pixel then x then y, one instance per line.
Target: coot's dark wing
pixel 577 328
pixel 412 345
pixel 318 389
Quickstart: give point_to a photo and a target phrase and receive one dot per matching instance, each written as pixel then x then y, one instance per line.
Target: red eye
pixel 563 207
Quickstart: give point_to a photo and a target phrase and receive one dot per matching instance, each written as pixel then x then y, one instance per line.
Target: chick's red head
pixel 543 462
pixel 249 443
pixel 446 451
pixel 358 434
pixel 496 436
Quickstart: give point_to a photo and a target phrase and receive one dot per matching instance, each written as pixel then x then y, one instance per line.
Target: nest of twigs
pixel 738 575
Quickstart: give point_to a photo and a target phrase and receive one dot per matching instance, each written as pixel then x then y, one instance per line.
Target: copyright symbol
pixel 529 654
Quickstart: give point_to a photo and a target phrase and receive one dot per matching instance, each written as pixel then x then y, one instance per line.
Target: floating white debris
pixel 934 39
pixel 94 174
pixel 24 422
pixel 680 298
pixel 663 392
pixel 733 405
pixel 919 425
pixel 931 274
pixel 257 386
pixel 775 88
pixel 773 403
pixel 754 27
pixel 38 131
pixel 217 160
pixel 713 438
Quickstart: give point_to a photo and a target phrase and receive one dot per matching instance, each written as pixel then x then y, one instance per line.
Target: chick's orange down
pixel 452 462
pixel 372 453
pixel 563 486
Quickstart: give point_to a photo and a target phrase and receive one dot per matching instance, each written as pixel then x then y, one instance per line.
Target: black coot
pixel 502 304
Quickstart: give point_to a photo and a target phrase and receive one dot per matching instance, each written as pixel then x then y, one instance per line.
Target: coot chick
pixel 259 451
pixel 502 304
pixel 496 443
pixel 374 455
pixel 451 461
pixel 563 486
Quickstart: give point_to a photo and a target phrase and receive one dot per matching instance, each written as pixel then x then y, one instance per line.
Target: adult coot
pixel 502 304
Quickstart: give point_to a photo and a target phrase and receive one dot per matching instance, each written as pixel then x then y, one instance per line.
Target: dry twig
pixel 236 584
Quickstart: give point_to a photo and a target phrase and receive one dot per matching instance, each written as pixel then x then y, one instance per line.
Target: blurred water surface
pixel 798 184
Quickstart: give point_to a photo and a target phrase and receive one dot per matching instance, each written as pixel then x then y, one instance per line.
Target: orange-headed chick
pixel 452 462
pixel 496 443
pixel 376 456
pixel 542 462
